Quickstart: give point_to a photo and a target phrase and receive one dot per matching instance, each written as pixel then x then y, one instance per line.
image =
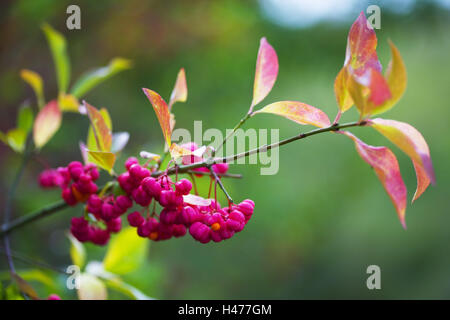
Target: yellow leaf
pixel 47 123
pixel 35 81
pixel 104 160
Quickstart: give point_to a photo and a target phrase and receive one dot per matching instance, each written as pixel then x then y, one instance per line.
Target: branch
pixel 8 206
pixel 240 123
pixel 214 174
pixel 24 220
pixel 264 148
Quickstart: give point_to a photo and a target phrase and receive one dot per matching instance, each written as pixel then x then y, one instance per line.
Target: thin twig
pixel 230 200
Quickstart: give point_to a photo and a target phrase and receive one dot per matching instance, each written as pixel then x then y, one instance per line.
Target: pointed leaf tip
pixel 266 72
pixel 179 92
pixel 385 164
pixel 409 140
pixel 162 113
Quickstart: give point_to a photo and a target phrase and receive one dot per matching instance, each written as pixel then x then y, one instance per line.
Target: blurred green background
pixel 324 217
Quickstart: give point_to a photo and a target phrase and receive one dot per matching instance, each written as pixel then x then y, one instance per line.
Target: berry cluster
pixel 177 216
pixel 107 212
pixel 75 180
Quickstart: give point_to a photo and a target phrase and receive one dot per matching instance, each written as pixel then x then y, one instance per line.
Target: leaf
pixel 97 76
pixel 409 140
pixel 385 164
pixel 57 44
pixel 396 79
pixel 16 139
pixel 125 252
pixel 149 155
pixel 298 112
pixel 47 123
pixel 177 151
pixel 422 181
pixel 196 200
pixel 77 252
pixel 35 82
pixel 91 288
pixel 179 92
pixel 127 289
pixel 360 58
pixel 119 141
pixel 39 276
pixel 343 97
pixel 25 287
pixel 162 113
pixel 25 118
pixel 361 53
pixel 68 102
pixel 266 72
pixel 104 160
pixel 101 127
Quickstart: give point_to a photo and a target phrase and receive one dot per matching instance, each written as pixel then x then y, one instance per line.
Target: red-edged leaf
pixel 298 112
pixel 101 128
pixel 266 72
pixel 162 113
pixel 422 181
pixel 408 139
pixel 179 92
pixel 385 164
pixel 361 51
pixel 47 123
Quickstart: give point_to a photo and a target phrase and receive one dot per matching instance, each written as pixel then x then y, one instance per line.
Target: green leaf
pixel 35 82
pixel 58 47
pixel 25 118
pixel 97 76
pixel 99 134
pixel 127 289
pixel 12 292
pixel 16 139
pixel 104 160
pixel 126 252
pixel 91 288
pixel 77 251
pixel 39 276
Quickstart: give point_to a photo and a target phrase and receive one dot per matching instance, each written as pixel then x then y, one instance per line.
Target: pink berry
pixel 130 161
pixel 114 225
pixel 99 236
pixel 54 297
pixel 200 232
pixel 68 197
pixel 124 202
pixel 135 219
pixel 183 187
pixel 152 187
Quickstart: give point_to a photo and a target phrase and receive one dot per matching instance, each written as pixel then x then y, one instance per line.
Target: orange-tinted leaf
pixel 25 287
pixel 396 79
pixel 385 164
pixel 162 113
pixel 408 139
pixel 422 181
pixel 47 123
pixel 343 97
pixel 177 151
pixel 298 112
pixel 179 92
pixel 361 47
pixel 266 72
pixel 101 129
pixel 104 160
